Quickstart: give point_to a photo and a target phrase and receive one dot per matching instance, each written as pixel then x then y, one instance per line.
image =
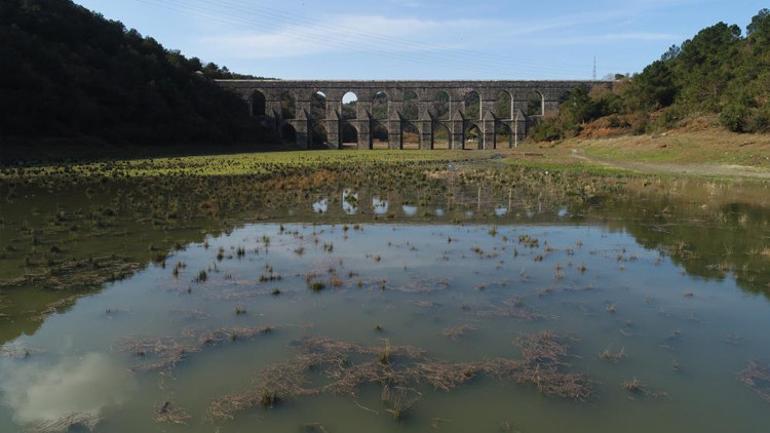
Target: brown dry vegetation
pixel 164 353
pixel 345 367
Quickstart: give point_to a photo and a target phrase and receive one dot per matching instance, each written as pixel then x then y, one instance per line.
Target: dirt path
pixel 721 170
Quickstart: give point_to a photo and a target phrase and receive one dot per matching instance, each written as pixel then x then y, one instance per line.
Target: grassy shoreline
pixel 702 153
pixel 709 153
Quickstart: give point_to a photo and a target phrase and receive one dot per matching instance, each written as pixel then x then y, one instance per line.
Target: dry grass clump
pixel 543 365
pixel 170 413
pixel 757 377
pixel 512 307
pixel 613 357
pixel 330 366
pixel 542 348
pixel 635 387
pixel 164 353
pixel 529 241
pixel 275 383
pixel 458 331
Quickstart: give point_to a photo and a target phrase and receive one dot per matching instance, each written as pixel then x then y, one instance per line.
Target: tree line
pixel 70 73
pixel 719 71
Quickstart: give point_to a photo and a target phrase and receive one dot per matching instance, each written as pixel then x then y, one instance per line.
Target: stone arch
pixel 379 131
pixel 440 105
pixel 535 103
pixel 288 105
pixel 288 133
pixel 349 106
pixel 258 103
pixel 441 137
pixel 472 105
pixel 503 136
pixel 504 105
pixel 380 105
pixel 472 137
pixel 318 105
pixel 348 135
pixel 410 135
pixel 319 137
pixel 411 109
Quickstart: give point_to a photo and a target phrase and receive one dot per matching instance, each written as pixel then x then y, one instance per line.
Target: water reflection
pixel 321 206
pixel 349 202
pixel 39 393
pixel 614 277
pixel 380 206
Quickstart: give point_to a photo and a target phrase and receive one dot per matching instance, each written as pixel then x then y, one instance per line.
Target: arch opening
pixel 288 106
pixel 503 136
pixel 318 106
pixel 379 134
pixel 349 105
pixel 410 110
pixel 288 134
pixel 380 105
pixel 504 105
pixel 472 138
pixel 348 135
pixel 472 105
pixel 441 136
pixel 410 135
pixel 258 103
pixel 535 104
pixel 440 106
pixel 319 139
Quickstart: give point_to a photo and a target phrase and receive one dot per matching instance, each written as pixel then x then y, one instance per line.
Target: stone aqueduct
pixel 265 101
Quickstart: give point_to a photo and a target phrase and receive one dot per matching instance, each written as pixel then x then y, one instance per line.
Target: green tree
pixel 654 88
pixel 760 24
pixel 69 73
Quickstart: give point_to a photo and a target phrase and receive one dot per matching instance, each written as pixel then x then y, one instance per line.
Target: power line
pixel 169 4
pixel 275 13
pixel 237 14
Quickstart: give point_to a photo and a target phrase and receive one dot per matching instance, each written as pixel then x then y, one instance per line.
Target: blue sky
pixel 424 39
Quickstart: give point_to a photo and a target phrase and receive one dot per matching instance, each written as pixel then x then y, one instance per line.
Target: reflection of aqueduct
pixel 398 114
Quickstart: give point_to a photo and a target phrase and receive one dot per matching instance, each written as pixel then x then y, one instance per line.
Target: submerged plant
pixel 202 277
pixel 757 377
pixel 398 400
pixel 614 357
pixel 316 286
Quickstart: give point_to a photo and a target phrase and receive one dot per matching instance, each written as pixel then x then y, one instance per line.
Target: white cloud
pixel 80 387
pixel 341 33
pixel 373 33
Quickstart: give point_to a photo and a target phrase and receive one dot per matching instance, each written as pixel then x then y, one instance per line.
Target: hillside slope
pixel 719 71
pixel 69 73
